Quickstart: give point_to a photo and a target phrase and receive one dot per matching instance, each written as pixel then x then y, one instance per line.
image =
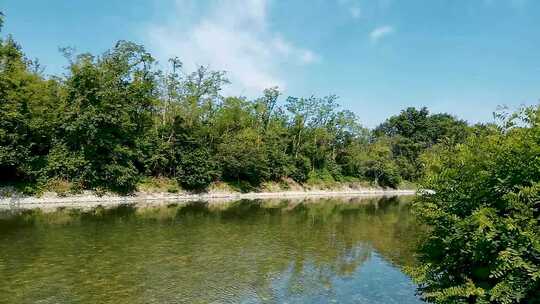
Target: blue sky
pixel 464 57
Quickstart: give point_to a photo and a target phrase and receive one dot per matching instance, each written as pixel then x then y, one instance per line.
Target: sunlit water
pixel 323 251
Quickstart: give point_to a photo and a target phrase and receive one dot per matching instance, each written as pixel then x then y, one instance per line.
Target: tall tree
pixel 413 131
pixel 109 101
pixel 29 109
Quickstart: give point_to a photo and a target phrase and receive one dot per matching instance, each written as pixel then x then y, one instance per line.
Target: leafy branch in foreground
pixel 484 210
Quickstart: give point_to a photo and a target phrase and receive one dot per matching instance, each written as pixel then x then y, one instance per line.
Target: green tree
pixel 413 131
pixel 243 157
pixel 182 142
pixel 482 207
pixel 196 168
pixel 373 162
pixel 109 102
pixel 29 107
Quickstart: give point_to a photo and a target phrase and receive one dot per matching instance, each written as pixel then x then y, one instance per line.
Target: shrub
pixel 196 169
pixel 389 176
pixel 301 169
pixel 60 187
pixel 483 208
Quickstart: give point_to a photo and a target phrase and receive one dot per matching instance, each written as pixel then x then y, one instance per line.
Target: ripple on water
pixel 330 251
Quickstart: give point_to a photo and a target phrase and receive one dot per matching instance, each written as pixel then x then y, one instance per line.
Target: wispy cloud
pixel 353 6
pixel 381 32
pixel 231 35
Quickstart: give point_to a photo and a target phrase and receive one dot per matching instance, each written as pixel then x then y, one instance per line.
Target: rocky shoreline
pixel 90 200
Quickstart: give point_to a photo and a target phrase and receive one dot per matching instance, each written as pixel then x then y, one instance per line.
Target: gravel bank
pixel 90 200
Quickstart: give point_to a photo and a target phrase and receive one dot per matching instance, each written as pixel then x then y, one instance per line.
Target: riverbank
pixel 89 199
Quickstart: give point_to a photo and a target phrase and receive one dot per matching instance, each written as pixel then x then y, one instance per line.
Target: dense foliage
pixel 484 211
pixel 112 119
pixel 413 131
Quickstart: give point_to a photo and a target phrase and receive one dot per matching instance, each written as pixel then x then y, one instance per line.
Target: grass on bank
pixel 315 182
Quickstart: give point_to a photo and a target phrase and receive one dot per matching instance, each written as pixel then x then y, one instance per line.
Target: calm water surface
pixel 322 251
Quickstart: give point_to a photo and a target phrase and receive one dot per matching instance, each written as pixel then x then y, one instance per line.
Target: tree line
pixel 113 118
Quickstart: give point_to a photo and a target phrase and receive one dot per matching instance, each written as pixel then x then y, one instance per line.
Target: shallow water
pixel 322 251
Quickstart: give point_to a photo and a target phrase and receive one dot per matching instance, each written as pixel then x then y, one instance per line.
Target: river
pixel 265 251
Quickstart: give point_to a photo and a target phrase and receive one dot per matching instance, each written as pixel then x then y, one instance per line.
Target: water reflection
pixel 271 251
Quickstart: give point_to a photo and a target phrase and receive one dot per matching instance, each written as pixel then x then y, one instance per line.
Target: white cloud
pixel 231 35
pixel 380 32
pixel 353 6
pixel 284 48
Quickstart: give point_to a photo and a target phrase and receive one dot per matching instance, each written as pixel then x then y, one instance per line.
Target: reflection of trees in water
pixel 199 251
pixel 312 276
